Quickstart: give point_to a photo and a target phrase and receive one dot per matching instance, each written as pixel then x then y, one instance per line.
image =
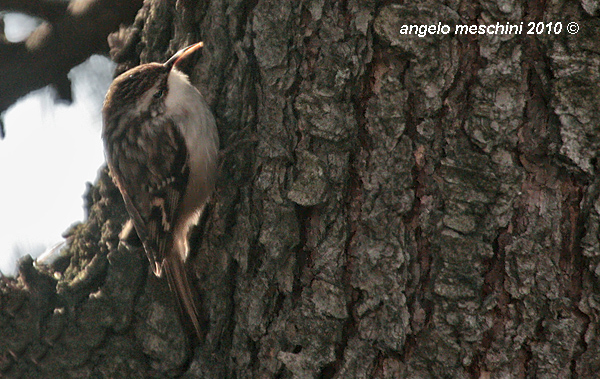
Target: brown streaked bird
pixel 161 145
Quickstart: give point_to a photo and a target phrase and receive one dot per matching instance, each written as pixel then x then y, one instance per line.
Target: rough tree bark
pixel 394 206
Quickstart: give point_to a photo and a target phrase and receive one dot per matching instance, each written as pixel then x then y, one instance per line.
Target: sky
pixel 51 150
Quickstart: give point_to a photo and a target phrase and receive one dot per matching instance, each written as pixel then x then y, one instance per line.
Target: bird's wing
pixel 152 173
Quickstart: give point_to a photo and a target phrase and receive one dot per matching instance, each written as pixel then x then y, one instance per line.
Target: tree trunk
pixel 389 206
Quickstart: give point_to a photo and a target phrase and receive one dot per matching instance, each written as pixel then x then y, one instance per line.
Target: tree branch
pixel 48 10
pixel 49 53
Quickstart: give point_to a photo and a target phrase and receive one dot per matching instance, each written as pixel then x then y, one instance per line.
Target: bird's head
pixel 143 89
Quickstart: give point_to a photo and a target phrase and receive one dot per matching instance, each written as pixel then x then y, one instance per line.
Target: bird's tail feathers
pixel 187 300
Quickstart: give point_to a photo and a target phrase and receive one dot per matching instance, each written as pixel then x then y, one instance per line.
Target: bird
pixel 161 145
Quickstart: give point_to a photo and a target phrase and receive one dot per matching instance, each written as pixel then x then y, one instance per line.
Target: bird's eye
pixel 158 94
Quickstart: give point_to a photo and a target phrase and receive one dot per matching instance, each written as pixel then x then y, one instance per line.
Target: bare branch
pixel 47 56
pixel 48 10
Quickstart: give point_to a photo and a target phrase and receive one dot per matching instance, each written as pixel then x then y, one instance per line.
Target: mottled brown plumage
pixel 161 145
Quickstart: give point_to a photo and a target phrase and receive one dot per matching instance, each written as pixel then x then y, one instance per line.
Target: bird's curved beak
pixel 182 54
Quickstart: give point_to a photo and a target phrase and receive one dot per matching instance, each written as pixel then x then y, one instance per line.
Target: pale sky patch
pixel 50 151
